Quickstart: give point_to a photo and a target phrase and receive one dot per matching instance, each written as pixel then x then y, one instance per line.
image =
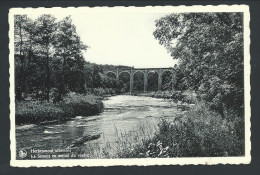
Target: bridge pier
pixel 145 81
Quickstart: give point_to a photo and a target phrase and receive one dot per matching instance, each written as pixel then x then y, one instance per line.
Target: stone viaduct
pixel 145 71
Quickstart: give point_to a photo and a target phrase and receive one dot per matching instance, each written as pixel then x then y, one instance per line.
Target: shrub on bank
pixel 73 105
pixel 198 133
pixel 101 91
pixel 82 105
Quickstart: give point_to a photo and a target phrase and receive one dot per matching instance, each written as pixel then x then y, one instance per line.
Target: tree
pixel 92 75
pixel 96 78
pixel 209 47
pixel 48 58
pixel 21 46
pixel 69 47
pixel 45 29
pixel 139 81
pixel 152 81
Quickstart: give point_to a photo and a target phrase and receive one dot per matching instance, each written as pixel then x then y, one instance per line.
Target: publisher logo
pixel 22 153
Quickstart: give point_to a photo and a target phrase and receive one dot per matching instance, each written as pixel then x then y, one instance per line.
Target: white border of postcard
pixel 141 161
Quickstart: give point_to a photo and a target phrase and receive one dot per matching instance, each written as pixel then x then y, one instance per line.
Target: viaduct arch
pixel 145 71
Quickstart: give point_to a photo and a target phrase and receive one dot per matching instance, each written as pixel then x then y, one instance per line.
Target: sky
pixel 121 39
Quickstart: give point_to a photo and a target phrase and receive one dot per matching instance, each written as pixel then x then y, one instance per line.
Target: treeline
pixel 209 47
pixel 49 60
pixel 48 54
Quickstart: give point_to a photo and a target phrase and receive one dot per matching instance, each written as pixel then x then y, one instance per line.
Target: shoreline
pixel 184 97
pixel 40 112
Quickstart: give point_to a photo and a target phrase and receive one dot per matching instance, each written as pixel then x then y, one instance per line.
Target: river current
pixel 122 113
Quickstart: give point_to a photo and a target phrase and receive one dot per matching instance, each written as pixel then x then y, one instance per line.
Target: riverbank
pixel 34 112
pixel 182 96
pixel 195 132
pixel 199 132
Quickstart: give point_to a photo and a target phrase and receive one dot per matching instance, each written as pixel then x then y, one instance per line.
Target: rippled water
pixel 122 113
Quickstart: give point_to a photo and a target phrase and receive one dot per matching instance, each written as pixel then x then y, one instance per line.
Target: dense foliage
pixel 49 61
pixel 48 57
pixel 209 47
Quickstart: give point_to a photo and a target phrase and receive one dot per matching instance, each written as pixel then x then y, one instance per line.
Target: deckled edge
pixel 145 161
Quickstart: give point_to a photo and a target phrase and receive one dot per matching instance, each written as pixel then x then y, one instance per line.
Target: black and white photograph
pixel 106 86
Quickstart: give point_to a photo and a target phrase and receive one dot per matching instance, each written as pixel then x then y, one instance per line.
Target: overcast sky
pixel 121 39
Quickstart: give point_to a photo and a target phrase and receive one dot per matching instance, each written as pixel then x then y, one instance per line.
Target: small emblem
pixel 22 153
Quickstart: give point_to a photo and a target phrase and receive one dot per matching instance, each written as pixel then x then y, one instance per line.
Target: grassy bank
pixel 73 105
pixel 197 133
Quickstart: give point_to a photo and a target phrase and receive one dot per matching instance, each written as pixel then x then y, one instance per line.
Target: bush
pixel 189 96
pixel 81 105
pixel 73 105
pixel 101 91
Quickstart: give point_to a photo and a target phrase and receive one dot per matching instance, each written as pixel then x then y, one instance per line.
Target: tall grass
pixel 124 145
pixel 197 133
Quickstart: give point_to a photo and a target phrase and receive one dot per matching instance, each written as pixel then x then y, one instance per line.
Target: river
pixel 122 114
